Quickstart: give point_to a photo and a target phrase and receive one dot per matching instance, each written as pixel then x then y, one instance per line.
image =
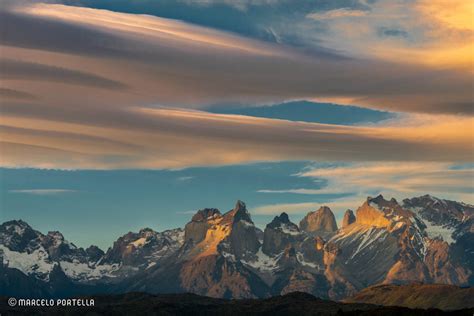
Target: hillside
pixel 446 297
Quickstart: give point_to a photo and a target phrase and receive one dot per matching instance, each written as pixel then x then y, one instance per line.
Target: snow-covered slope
pixel 36 254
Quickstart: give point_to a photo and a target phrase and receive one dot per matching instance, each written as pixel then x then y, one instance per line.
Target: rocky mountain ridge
pixel 423 239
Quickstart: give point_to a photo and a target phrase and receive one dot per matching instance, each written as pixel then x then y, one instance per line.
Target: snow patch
pixel 36 263
pixel 263 262
pixel 300 258
pixel 176 235
pixel 289 231
pixel 139 242
pixel 247 224
pixel 86 271
pixel 16 228
pixel 228 256
pixel 436 231
pixel 368 238
pixel 151 264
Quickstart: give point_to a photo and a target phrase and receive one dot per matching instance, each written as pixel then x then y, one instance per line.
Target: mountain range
pixel 224 255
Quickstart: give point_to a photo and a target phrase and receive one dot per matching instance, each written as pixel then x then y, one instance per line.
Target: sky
pixel 118 115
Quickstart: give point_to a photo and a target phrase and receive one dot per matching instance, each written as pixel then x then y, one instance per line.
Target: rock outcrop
pixel 321 221
pixel 94 253
pixel 348 218
pixel 279 234
pixel 242 240
pixel 196 229
pixel 144 248
pixel 370 213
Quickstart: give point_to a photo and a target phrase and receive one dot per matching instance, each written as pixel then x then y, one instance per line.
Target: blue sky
pixel 307 111
pixel 269 21
pixel 98 206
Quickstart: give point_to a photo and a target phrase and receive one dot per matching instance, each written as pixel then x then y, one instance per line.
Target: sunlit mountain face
pixel 133 126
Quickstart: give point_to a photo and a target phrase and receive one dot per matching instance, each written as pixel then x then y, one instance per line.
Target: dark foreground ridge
pixel 296 303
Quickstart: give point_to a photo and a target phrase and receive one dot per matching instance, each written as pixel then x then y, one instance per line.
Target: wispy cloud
pixel 337 13
pixel 399 180
pixel 296 191
pixel 430 32
pixel 392 179
pixel 190 212
pixel 185 178
pixel 42 191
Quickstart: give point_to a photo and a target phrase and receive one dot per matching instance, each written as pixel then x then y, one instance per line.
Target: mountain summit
pixel 320 221
pixel 348 218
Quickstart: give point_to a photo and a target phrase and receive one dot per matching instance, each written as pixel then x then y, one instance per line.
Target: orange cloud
pixel 176 138
pixel 81 88
pixel 161 61
pixel 440 32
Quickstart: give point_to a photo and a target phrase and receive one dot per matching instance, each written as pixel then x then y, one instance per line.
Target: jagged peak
pixel 240 205
pixel 56 235
pixel 284 218
pixel 430 199
pixel 381 212
pixel 377 200
pixel 278 221
pixel 16 222
pixel 433 208
pixel 238 213
pixel 147 231
pixel 325 209
pixel 94 253
pixel 322 219
pixel 20 228
pixel 349 218
pixel 205 214
pixel 421 198
pixel 56 239
pixel 93 247
pixel 322 210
